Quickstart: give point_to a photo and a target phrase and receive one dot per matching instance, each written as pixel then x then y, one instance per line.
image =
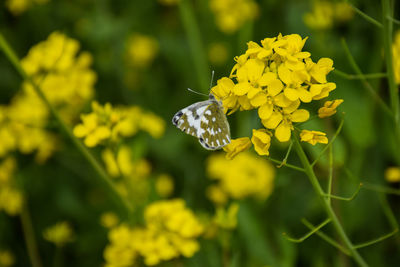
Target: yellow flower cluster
pixel 396 56
pixel 66 80
pixel 392 174
pixel 11 199
pixel 275 78
pixel 7 259
pixel 244 176
pixel 230 15
pixel 17 7
pixel 59 234
pixel 171 230
pixel 326 13
pixel 106 123
pixel 141 50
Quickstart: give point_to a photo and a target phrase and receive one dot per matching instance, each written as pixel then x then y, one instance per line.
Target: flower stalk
pixel 29 237
pixel 308 169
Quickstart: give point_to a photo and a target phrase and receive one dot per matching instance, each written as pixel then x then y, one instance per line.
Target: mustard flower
pixel 392 174
pixel 325 14
pixel 329 108
pixel 7 259
pixel 141 50
pixel 106 123
pixel 313 137
pixel 109 219
pixel 227 219
pixel 396 56
pixel 17 7
pixel 164 185
pixel 275 78
pixel 218 53
pixel 230 15
pixel 244 176
pixel 236 146
pixel 121 250
pixel 59 234
pixel 217 195
pixel 11 199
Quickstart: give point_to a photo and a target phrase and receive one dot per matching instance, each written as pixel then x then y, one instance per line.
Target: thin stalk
pixel 12 57
pixel 29 236
pixel 286 164
pixel 326 204
pixel 387 45
pixel 365 16
pixel 359 77
pixel 195 43
pixel 330 174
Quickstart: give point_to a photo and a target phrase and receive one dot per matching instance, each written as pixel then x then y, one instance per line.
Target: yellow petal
pixel 265 111
pixel 267 78
pixel 275 87
pixel 259 99
pixel 291 94
pixel 283 132
pixel 300 115
pixel 273 121
pixel 241 88
pixel 284 74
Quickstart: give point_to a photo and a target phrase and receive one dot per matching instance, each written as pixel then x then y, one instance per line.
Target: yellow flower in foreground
pixel 329 108
pixel 313 137
pixel 227 219
pixel 392 174
pixel 59 234
pixel 164 185
pixel 6 258
pixel 261 140
pixel 244 176
pixel 236 146
pixel 109 219
pixel 142 50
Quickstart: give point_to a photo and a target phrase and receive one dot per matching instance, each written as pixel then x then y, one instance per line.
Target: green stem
pixel 387 44
pixel 359 77
pixel 29 237
pixel 365 16
pixel 195 43
pixel 12 57
pixel 326 204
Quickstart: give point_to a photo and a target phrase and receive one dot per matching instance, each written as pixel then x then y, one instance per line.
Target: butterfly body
pixel 205 120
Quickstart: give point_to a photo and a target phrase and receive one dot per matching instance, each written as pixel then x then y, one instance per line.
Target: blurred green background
pixel 66 188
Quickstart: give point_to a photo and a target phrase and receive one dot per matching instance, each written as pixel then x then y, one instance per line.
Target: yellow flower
pixel 236 146
pixel 324 14
pixel 121 250
pixel 217 195
pixel 261 140
pixel 313 137
pixel 244 176
pixel 329 108
pixel 142 50
pixel 218 53
pixel 6 258
pixel 275 78
pixel 392 174
pixel 164 185
pixel 17 7
pixel 109 219
pixel 227 219
pixel 11 200
pixel 59 234
pixel 396 56
pixel 106 123
pixel 7 168
pixel 230 15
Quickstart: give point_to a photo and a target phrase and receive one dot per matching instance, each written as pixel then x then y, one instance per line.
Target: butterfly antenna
pixel 193 91
pixel 212 78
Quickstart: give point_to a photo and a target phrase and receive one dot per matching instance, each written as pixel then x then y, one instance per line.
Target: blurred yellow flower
pixel 164 185
pixel 141 50
pixel 236 146
pixel 325 14
pixel 230 15
pixel 313 137
pixel 59 234
pixel 396 56
pixel 17 7
pixel 171 230
pixel 216 195
pixel 392 174
pixel 227 219
pixel 244 176
pixel 6 258
pixel 11 199
pixel 275 78
pixel 109 219
pixel 168 2
pixel 329 108
pixel 218 53
pixel 106 123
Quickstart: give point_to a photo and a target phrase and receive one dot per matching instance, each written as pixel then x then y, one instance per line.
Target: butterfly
pixel 205 120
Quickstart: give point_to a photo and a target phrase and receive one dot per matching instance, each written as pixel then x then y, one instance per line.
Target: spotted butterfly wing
pixel 206 121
